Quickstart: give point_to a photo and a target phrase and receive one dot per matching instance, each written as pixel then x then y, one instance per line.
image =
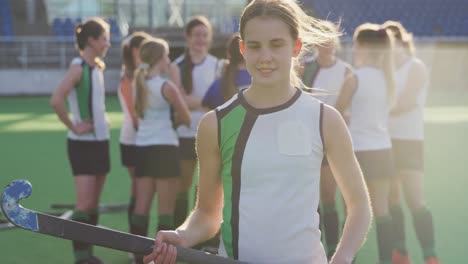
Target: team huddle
pixel 270 131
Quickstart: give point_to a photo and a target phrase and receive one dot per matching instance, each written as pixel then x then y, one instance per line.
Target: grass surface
pixel 33 147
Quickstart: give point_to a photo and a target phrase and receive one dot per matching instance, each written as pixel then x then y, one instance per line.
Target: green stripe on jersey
pixel 83 90
pixel 231 125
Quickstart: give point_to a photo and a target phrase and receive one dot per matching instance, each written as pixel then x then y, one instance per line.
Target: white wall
pixel 43 82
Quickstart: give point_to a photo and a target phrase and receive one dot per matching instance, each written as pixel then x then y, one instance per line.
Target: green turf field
pixel 32 147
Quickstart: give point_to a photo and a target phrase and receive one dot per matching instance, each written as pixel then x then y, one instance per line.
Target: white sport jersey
pixel 155 128
pixel 203 75
pixel 271 161
pixel 409 125
pixel 369 111
pixel 330 81
pixel 87 101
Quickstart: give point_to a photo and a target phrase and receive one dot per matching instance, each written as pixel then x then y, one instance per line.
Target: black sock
pixel 165 222
pixel 330 223
pixel 384 228
pixel 424 228
pixel 94 217
pixel 131 207
pixel 81 250
pixel 181 209
pixel 93 220
pixel 139 226
pixel 399 230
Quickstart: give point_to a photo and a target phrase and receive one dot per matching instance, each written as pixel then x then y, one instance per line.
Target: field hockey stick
pixel 71 230
pixel 6 224
pixel 103 208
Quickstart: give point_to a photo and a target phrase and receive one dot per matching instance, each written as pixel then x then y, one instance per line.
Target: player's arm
pixel 193 102
pixel 408 99
pixel 174 75
pixel 204 222
pixel 172 93
pixel 346 94
pixel 348 175
pixel 57 101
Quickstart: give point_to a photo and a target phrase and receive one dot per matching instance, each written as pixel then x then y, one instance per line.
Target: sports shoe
pixel 398 258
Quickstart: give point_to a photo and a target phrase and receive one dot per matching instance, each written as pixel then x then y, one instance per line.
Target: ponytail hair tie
pixel 79 28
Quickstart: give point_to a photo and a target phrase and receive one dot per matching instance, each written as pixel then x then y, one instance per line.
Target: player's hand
pixel 164 250
pixel 83 127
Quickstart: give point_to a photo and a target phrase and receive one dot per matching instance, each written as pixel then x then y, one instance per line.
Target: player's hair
pixel 301 26
pixel 229 76
pixel 379 41
pixel 92 27
pixel 187 78
pixel 401 34
pixel 152 50
pixel 131 42
pixel 334 29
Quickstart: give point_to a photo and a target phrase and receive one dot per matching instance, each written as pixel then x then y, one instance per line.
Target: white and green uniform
pixel 87 101
pixel 203 75
pixel 271 161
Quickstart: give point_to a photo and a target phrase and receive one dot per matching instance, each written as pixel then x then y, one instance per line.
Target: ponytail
pixel 127 60
pixel 141 96
pixel 228 81
pixel 187 73
pixel 229 76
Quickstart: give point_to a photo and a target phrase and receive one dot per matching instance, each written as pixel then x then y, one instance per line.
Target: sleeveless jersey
pixel 155 128
pixel 271 161
pixel 87 101
pixel 203 75
pixel 328 81
pixel 409 125
pixel 369 111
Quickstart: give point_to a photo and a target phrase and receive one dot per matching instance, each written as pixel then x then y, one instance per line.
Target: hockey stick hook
pixel 17 214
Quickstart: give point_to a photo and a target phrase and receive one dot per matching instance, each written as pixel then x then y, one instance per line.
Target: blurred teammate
pixel 131 60
pixel 88 136
pixel 368 94
pixel 197 69
pixel 406 126
pixel 327 73
pixel 157 152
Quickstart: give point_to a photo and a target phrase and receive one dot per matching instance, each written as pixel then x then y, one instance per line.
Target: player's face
pixel 165 62
pixel 199 38
pixel 268 49
pixel 101 44
pixel 327 50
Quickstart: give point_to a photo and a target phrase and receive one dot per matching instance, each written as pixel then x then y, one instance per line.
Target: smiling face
pixel 199 38
pixel 268 49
